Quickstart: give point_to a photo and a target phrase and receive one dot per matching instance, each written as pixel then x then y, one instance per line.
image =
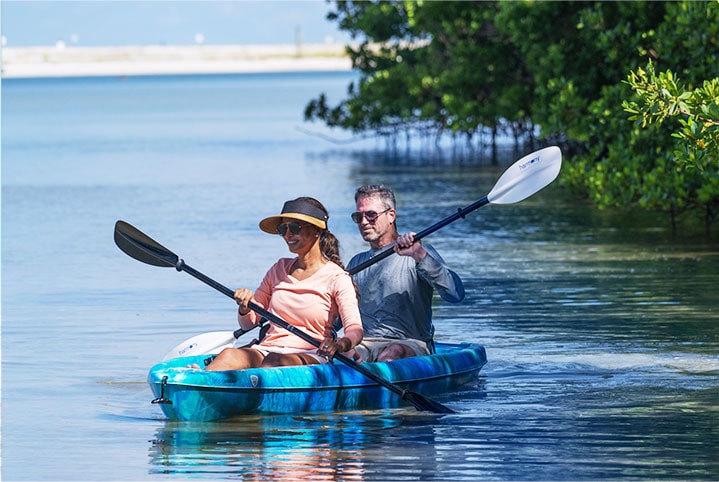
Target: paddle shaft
pixel 339 356
pixel 419 401
pixel 461 213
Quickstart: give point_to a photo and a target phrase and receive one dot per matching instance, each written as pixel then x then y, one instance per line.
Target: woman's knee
pixel 272 360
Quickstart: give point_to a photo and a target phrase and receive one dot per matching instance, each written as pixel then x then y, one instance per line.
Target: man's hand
pixel 405 246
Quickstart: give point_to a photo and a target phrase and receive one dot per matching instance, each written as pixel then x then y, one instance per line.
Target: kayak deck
pixel 199 395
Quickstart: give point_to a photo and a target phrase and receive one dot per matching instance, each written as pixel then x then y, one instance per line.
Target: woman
pixel 308 291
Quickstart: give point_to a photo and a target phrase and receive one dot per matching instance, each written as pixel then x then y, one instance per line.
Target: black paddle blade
pixel 140 246
pixel 425 404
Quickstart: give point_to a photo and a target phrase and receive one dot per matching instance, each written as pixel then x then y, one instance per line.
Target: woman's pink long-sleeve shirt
pixel 310 304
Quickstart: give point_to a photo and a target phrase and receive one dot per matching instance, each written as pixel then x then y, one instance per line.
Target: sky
pixel 91 23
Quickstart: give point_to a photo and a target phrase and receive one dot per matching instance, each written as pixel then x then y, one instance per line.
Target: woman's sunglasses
pixel 370 215
pixel 294 228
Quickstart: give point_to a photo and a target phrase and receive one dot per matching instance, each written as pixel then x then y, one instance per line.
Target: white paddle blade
pixel 527 176
pixel 205 344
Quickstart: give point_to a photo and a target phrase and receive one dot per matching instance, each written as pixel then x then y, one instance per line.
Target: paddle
pixel 203 344
pixel 522 179
pixel 138 245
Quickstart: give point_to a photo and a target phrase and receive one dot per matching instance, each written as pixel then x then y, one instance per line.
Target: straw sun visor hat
pixel 298 209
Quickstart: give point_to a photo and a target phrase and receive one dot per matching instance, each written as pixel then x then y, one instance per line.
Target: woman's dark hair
pixel 329 244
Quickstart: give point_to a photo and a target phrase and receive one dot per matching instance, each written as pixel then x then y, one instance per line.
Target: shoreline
pixel 61 61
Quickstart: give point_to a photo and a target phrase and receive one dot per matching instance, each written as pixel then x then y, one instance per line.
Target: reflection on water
pixel 543 422
pixel 302 447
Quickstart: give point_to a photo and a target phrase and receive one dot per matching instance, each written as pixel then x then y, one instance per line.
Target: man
pixel 396 292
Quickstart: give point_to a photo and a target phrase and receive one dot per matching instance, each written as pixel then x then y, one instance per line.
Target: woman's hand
pixel 243 296
pixel 330 347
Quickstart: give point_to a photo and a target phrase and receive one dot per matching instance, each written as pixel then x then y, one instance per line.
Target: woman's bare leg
pixel 288 359
pixel 236 359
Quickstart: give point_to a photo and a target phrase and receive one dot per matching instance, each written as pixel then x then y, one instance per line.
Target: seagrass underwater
pixel 601 331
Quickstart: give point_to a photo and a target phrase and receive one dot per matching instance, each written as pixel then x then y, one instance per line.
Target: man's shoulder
pixel 359 258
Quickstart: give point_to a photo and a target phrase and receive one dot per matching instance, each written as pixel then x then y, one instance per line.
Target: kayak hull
pixel 199 395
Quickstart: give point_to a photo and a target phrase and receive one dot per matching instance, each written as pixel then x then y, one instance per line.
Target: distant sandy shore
pixel 28 62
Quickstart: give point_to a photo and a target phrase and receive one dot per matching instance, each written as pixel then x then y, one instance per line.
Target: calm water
pixel 602 331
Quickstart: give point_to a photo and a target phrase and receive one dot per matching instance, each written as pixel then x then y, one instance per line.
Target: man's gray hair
pixel 383 192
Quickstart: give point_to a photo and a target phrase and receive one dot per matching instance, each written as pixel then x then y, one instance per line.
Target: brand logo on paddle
pixel 528 163
pixel 186 349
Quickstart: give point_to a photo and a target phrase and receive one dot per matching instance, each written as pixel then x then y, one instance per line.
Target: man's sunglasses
pixel 294 228
pixel 370 215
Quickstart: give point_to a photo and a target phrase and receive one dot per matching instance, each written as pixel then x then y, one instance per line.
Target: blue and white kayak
pixel 199 395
